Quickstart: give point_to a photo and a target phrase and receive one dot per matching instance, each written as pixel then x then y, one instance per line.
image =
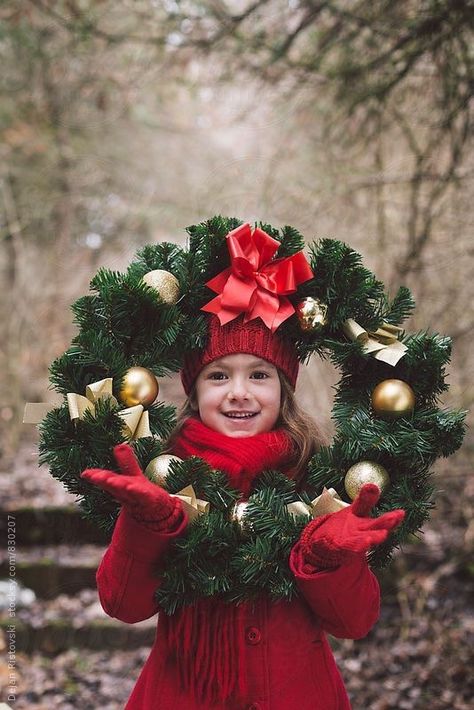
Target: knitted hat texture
pixel 252 337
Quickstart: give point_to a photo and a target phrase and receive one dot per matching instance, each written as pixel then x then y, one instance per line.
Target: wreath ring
pixel 124 323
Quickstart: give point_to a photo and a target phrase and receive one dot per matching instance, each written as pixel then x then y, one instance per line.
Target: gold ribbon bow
pixel 327 502
pixel 35 412
pixel 78 404
pixel 192 505
pixel 383 344
pixel 136 422
pixel 135 419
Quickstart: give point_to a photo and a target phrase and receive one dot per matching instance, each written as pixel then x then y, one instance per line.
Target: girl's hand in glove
pixel 147 503
pixel 338 538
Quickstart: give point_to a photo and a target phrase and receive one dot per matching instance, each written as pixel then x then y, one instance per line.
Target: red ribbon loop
pixel 254 284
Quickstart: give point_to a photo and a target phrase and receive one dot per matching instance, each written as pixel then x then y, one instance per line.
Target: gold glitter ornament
pixel 165 284
pixel 158 468
pixel 392 399
pixel 311 314
pixel 139 386
pixel 365 472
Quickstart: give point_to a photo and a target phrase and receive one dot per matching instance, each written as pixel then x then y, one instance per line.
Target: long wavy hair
pixel 305 433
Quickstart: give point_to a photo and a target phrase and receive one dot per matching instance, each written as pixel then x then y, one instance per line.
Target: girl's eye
pixel 217 376
pixel 260 375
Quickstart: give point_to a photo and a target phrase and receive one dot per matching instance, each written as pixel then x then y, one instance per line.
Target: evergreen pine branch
pixel 98 352
pixel 326 469
pixel 88 312
pixel 67 448
pixel 283 486
pixel 415 496
pixel 291 241
pixel 164 255
pixel 106 282
pixel 266 512
pixel 423 365
pixel 150 447
pixel 208 254
pixel 67 374
pixel 215 489
pixel 400 308
pixel 256 563
pixel 349 289
pixel 162 418
pixel 347 355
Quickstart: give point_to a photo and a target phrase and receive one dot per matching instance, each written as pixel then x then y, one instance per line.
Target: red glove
pixel 338 538
pixel 147 503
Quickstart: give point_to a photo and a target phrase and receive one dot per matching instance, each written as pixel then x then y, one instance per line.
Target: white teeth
pixel 236 415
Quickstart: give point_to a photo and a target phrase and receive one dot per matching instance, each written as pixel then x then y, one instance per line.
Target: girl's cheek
pixel 210 398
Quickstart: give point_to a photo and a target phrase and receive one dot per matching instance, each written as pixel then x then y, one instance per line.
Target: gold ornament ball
pixel 311 314
pixel 392 399
pixel 365 472
pixel 158 468
pixel 139 386
pixel 164 283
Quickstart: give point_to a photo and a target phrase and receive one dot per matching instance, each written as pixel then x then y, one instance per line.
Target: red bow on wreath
pixel 254 284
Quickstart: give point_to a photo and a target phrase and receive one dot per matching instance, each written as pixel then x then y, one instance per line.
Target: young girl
pixel 242 418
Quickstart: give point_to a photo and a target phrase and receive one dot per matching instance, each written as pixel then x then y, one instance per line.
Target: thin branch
pixel 305 21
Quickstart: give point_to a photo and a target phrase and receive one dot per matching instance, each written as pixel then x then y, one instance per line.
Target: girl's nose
pixel 237 390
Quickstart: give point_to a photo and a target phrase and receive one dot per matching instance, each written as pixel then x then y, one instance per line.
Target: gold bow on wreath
pixel 192 505
pixel 136 422
pixel 97 390
pixel 383 344
pixel 327 502
pixel 135 419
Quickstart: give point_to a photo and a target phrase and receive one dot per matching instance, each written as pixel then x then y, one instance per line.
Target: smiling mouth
pixel 240 415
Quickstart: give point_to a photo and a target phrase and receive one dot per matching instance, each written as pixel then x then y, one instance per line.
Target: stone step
pixel 56 637
pixel 53 570
pixel 49 526
pixel 54 626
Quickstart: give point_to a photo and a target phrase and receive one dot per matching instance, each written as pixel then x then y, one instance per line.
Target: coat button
pixel 254 706
pixel 253 635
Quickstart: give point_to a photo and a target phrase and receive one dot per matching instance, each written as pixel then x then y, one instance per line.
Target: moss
pixel 71 687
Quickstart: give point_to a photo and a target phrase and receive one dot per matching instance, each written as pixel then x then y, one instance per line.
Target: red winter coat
pixel 288 661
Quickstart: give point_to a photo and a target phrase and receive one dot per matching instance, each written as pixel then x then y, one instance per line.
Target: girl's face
pixel 239 395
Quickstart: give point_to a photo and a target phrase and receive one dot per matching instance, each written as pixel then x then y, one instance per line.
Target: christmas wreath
pixel 135 328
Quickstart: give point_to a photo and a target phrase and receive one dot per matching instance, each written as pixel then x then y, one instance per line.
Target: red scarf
pixel 207 639
pixel 241 458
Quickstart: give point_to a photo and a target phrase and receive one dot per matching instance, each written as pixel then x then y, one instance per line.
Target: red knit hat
pixel 236 336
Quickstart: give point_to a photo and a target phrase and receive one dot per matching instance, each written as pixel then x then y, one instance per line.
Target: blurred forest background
pixel 123 122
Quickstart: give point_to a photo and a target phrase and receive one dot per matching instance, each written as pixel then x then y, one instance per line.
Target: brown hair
pixel 303 430
pixel 305 433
